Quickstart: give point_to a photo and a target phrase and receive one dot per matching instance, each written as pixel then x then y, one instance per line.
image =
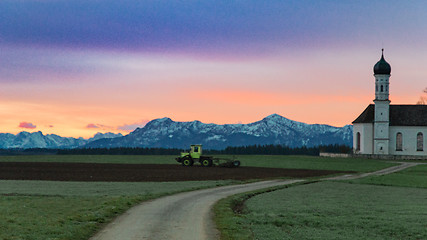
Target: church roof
pixel 367 116
pixel 382 67
pixel 400 115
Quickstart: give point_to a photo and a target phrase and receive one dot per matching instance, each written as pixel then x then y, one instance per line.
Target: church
pixel 388 129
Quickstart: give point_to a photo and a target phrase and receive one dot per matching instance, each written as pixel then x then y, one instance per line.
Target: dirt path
pixel 183 216
pixel 403 165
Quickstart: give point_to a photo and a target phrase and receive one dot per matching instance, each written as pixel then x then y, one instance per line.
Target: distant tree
pixel 423 99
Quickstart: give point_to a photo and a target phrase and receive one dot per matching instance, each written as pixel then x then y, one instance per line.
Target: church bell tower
pixel 382 72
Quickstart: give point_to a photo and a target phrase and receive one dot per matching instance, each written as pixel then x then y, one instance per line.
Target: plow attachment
pixel 226 162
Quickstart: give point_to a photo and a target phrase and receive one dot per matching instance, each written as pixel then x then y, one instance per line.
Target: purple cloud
pixel 91 125
pixel 27 125
pixel 131 127
pixel 100 126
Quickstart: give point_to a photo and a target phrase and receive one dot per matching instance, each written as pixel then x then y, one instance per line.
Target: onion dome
pixel 382 67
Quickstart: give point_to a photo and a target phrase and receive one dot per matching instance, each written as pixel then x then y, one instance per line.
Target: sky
pixel 75 68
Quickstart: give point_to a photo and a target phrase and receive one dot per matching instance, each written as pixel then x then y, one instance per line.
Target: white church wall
pixel 409 140
pixel 366 131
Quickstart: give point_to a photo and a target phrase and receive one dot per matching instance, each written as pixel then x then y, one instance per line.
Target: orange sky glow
pixel 302 61
pixel 187 89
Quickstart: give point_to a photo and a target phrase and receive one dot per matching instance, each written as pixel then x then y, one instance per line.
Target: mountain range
pixel 273 129
pixel 165 133
pixel 38 140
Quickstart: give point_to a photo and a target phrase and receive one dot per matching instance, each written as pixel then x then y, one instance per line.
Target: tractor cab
pixel 195 151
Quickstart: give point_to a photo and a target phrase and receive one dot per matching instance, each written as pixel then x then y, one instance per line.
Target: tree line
pixel 269 149
pixel 272 149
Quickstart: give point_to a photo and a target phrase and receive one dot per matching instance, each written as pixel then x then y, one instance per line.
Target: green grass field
pixel 58 217
pixel 410 177
pixel 75 210
pixel 313 162
pixel 355 209
pixel 334 210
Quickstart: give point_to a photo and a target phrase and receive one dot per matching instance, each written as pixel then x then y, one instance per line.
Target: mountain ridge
pixel 166 133
pixel 25 140
pixel 273 129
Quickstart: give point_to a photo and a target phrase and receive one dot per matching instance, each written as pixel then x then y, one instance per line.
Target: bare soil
pixel 143 172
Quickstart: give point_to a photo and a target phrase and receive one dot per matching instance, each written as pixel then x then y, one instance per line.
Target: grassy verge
pixel 230 223
pixel 228 214
pixel 334 210
pixel 74 210
pixel 410 177
pixel 58 217
pixel 313 162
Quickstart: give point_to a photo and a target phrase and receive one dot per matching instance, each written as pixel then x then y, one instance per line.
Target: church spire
pixel 382 106
pixel 382 66
pixel 382 70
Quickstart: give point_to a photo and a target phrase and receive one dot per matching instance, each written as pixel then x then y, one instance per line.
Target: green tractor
pixel 195 155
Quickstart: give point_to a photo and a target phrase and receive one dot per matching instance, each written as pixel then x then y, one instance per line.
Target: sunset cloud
pixel 92 125
pixel 100 126
pixel 27 125
pixel 131 127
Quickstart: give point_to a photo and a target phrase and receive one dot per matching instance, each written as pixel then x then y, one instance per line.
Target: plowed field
pixel 142 172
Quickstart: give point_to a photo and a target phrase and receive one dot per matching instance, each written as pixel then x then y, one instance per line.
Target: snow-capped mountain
pixel 273 129
pixel 38 140
pixel 104 135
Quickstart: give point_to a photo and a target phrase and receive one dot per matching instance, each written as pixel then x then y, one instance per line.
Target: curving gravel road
pixel 183 216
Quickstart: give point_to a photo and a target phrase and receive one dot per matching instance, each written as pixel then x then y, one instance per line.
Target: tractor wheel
pixel 206 162
pixel 236 163
pixel 187 162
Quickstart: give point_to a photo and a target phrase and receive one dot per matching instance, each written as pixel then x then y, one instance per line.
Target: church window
pixel 358 142
pixel 386 88
pixel 376 88
pixel 399 140
pixel 382 88
pixel 420 142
